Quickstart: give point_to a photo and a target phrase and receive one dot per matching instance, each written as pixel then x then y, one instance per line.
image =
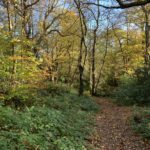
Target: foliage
pixel 133 90
pixel 65 102
pixel 46 48
pixel 19 67
pixel 57 89
pixel 61 123
pixel 141 121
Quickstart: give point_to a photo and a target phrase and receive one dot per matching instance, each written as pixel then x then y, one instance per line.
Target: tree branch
pixel 30 5
pixel 122 5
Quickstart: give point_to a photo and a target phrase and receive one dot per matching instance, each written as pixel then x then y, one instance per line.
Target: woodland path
pixel 113 131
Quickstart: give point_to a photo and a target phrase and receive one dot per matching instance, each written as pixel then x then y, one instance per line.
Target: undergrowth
pixel 133 91
pixel 141 121
pixel 52 123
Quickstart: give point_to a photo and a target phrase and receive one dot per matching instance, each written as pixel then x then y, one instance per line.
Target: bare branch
pixel 122 5
pixel 34 3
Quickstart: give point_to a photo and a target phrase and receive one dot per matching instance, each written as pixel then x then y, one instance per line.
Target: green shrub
pixel 57 123
pixel 141 121
pixel 57 89
pixel 20 97
pixel 69 101
pixel 132 91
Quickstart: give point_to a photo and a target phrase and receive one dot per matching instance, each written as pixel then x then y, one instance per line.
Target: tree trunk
pixel 93 65
pixel 147 42
pixel 93 86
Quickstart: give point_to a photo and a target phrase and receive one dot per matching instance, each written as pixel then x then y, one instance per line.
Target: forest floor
pixel 113 130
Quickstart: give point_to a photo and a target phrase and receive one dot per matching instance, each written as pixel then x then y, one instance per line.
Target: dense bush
pixel 60 123
pixel 141 121
pixel 20 97
pixel 133 90
pixel 27 96
pixel 57 89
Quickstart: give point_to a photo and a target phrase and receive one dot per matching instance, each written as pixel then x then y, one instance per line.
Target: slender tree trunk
pixel 81 62
pixel 93 86
pixel 81 69
pixel 93 64
pixel 147 42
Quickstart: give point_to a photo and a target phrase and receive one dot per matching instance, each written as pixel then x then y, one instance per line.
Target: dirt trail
pixel 113 132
